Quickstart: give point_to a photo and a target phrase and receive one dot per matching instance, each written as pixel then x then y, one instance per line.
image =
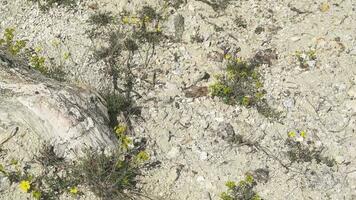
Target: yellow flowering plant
pixel 25 185
pixel 73 190
pixel 142 156
pixel 291 134
pixel 244 188
pixel 120 131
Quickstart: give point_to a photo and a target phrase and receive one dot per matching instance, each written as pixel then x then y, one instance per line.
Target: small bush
pixel 303 149
pixel 11 45
pixel 244 190
pixel 33 56
pixel 242 84
pixel 38 63
pixel 108 176
pixel 101 19
pixel 116 103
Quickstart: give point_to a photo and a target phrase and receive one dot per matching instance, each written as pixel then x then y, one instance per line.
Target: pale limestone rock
pixel 70 117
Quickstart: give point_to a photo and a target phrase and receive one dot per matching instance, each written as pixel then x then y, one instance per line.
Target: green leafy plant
pixel 34 57
pixel 121 133
pixel 108 175
pixel 124 51
pixel 38 63
pixel 242 84
pixel 11 45
pixel 243 190
pixel 116 103
pixel 303 149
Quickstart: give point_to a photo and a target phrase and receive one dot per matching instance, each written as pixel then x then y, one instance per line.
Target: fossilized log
pixel 70 117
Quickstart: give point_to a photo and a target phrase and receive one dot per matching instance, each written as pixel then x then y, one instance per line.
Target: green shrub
pixel 33 56
pixel 11 45
pixel 242 84
pixel 108 175
pixel 38 63
pixel 244 190
pixel 116 103
pixel 301 148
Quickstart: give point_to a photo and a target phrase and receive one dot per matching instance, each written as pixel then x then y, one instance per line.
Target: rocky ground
pixel 310 80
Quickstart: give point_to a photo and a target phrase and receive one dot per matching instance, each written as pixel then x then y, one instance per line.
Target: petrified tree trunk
pixel 70 117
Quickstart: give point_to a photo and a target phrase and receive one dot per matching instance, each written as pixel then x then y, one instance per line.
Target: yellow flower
pixel 239 60
pixel 227 56
pixel 259 84
pixel 249 178
pixel 147 19
pixel 74 190
pixel 38 49
pixel 291 134
pixel 126 141
pixel 25 186
pixel 56 42
pixel 142 156
pixel 135 20
pixel 230 184
pixel 66 55
pixel 120 131
pixel 126 20
pixel 303 134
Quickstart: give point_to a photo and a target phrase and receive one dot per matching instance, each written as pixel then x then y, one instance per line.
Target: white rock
pixel 352 91
pixel 200 179
pixel 288 103
pixel 173 152
pixel 55 112
pixel 203 155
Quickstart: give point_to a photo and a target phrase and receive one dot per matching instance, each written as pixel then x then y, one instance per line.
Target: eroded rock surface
pixel 72 118
pixel 188 131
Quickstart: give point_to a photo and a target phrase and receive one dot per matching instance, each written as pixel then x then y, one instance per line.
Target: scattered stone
pixel 288 103
pixel 195 92
pixel 352 91
pixel 203 155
